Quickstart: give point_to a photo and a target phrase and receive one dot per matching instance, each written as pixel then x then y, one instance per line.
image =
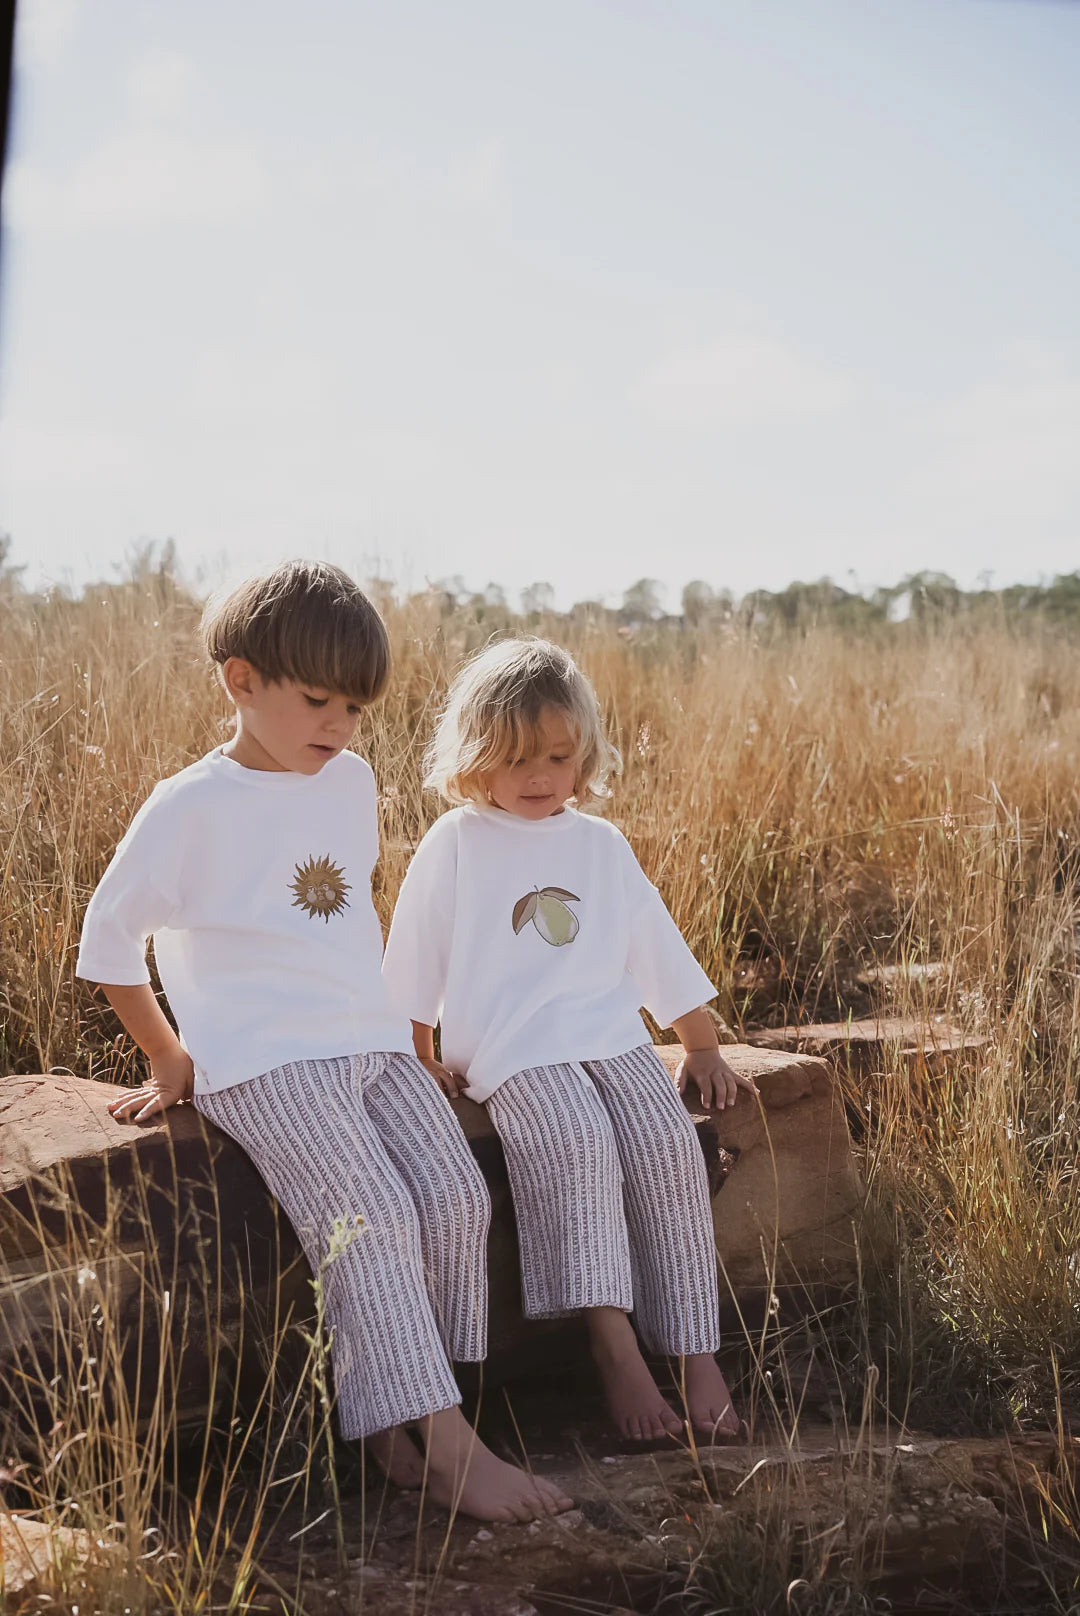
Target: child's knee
pixel 677 1142
pixel 587 1149
pixel 388 1215
pixel 469 1197
pixel 455 1192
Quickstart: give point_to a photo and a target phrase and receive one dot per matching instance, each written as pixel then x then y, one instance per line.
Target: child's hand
pixel 451 1083
pixel 172 1079
pixel 719 1085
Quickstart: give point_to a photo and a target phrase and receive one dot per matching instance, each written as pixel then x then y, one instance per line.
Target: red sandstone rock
pixel 787 1213
pixel 916 1040
pixel 97 1211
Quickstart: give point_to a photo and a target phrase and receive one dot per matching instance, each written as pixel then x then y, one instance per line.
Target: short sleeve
pixel 367 792
pixel 138 895
pixel 417 956
pixel 670 979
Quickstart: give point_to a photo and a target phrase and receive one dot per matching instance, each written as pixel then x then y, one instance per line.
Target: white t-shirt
pixel 534 942
pixel 256 888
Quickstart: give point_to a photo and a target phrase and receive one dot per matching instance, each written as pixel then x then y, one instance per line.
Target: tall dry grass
pixel 808 805
pixel 156 1499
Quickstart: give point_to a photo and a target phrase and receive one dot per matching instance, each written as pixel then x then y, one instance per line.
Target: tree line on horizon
pixel 925 597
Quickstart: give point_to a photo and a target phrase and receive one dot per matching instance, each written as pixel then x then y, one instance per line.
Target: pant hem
pixel 576 1307
pixel 402 1419
pixel 694 1350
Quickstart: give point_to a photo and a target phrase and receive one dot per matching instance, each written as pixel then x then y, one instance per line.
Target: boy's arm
pixel 423 1038
pixel 138 895
pixel 172 1075
pixel 703 1062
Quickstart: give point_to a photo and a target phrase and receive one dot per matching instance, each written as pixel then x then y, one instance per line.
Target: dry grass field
pixel 809 803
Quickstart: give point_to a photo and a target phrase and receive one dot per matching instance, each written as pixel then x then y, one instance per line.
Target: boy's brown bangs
pixel 307 622
pixel 344 650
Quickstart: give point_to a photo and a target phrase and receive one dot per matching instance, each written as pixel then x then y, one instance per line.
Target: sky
pixel 566 290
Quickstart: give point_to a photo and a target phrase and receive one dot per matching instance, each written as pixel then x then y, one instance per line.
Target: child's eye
pixel 314 701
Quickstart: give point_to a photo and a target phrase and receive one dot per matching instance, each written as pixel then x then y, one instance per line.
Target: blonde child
pixel 251 870
pixel 531 932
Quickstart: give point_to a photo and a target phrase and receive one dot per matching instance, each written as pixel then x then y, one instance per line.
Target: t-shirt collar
pixel 265 779
pixel 553 825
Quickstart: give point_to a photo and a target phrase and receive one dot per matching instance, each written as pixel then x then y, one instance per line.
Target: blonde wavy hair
pixel 493 713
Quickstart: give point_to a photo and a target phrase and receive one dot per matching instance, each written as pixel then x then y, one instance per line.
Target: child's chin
pixel 312 762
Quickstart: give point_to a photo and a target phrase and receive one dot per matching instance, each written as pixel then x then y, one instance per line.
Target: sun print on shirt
pixel 548 909
pixel 320 888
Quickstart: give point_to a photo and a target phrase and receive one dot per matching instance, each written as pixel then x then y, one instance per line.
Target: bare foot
pixel 635 1402
pixel 464 1474
pixel 708 1401
pixel 396 1453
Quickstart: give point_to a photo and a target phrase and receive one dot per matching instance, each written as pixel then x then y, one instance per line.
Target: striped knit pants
pixel 372 1136
pixel 612 1197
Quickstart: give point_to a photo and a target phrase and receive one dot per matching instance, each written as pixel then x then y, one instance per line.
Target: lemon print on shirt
pixel 547 908
pixel 320 888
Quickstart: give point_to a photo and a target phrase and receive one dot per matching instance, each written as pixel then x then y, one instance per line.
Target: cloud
pixel 475 178
pixel 41 455
pixel 273 388
pixel 1003 453
pixel 156 171
pixel 160 85
pixel 142 176
pixel 158 166
pixel 741 380
pixel 43 31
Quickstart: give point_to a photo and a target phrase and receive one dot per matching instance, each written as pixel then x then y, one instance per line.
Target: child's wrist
pixel 702 1049
pixel 696 1032
pixel 166 1050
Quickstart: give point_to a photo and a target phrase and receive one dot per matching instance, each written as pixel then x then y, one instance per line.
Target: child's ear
pixel 238 676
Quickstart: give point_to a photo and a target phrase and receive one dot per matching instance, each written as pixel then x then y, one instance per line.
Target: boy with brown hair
pixel 251 871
